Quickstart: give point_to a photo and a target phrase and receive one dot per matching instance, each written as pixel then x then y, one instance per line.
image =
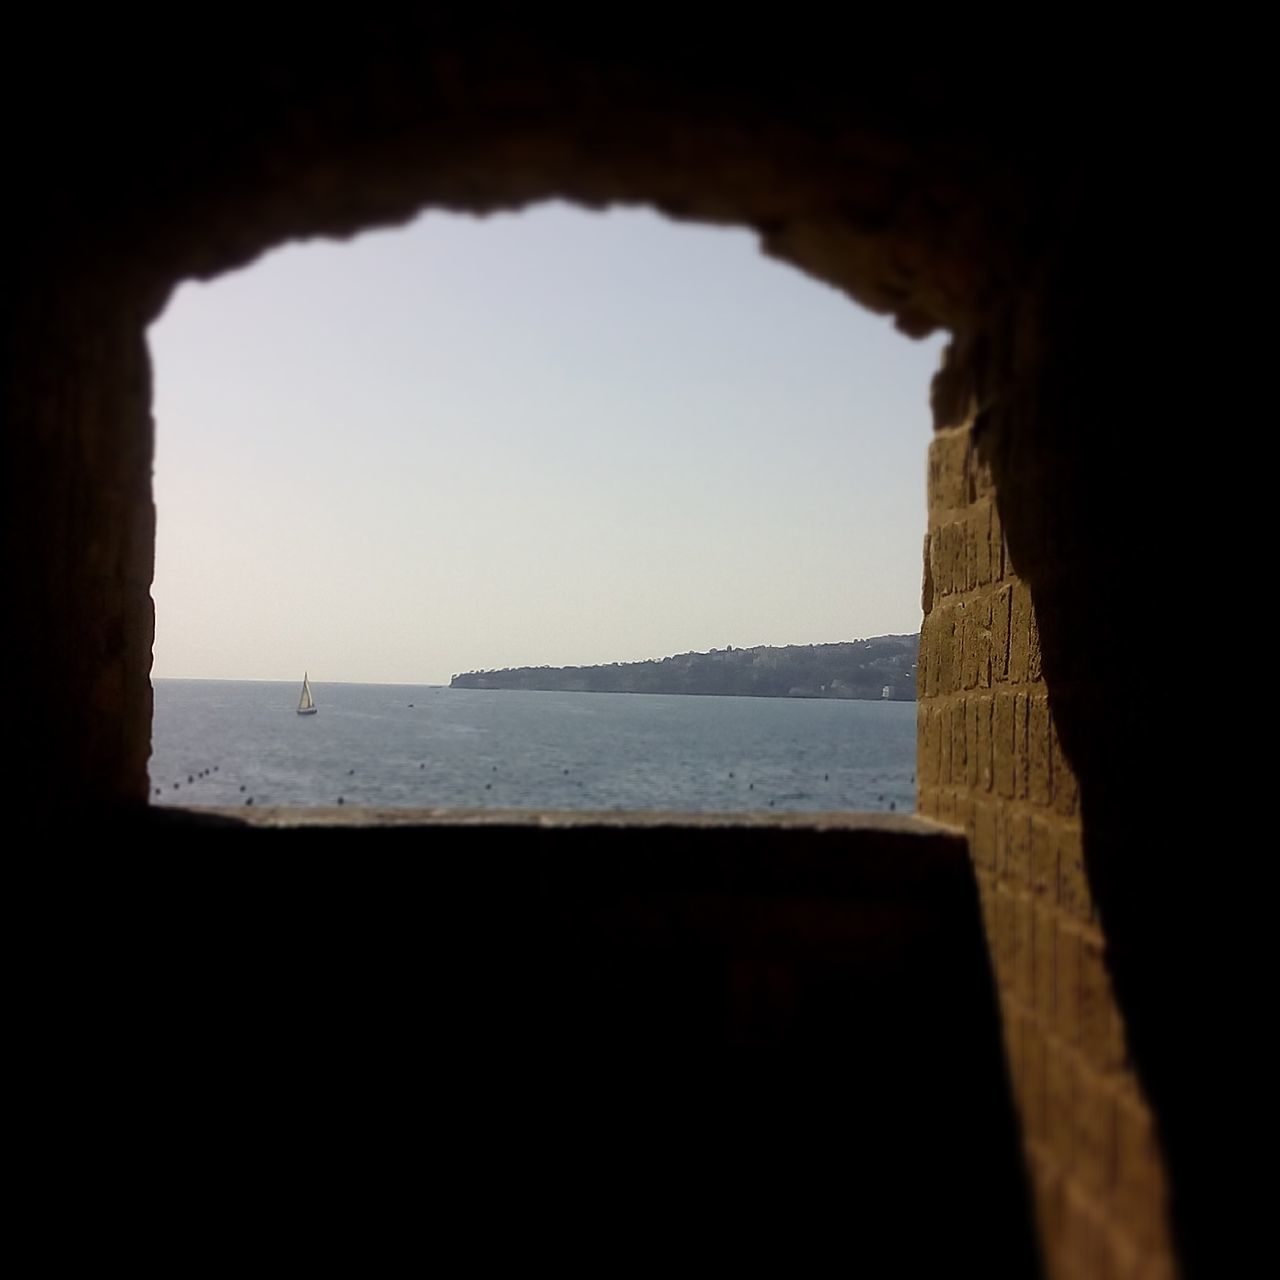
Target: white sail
pixel 306 704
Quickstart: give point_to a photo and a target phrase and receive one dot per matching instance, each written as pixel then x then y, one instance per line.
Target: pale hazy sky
pixel 548 437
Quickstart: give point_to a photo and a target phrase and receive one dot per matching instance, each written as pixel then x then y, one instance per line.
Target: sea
pixel 229 743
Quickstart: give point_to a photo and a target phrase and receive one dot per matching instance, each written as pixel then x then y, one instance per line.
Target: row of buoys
pixel 191 778
pixel 488 786
pixel 204 773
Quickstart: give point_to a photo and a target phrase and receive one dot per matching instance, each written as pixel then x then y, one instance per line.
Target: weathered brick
pixel 1140 1193
pixel 1046 945
pixel 1095 1136
pixel 991 759
pixel 982 522
pixel 971 742
pixel 944 649
pixel 1023 951
pixel 1039 777
pixel 983 844
pixel 984 644
pixel 1123 1257
pixel 953 544
pixel 948 469
pixel 937 559
pixel 1004 938
pixel 1019 632
pixel 1066 790
pixel 982 478
pixel 942 491
pixel 1157 1266
pixel 1059 1102
pixel 1034 672
pixel 926 581
pixel 929 745
pixel 1044 858
pixel 1068 942
pixel 1021 750
pixel 997 545
pixel 981 742
pixel 1002 838
pixel 1034 1058
pixel 959 746
pixel 1073 881
pixel 1046 1187
pixel 1083 1235
pixel 933 472
pixel 969 647
pixel 1098 1013
pixel 947 810
pixel 1001 614
pixel 1003 743
pixel 1017 867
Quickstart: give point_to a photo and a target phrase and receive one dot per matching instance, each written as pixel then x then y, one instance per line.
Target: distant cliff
pixel 848 669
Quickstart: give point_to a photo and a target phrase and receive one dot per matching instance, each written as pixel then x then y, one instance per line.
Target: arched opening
pixel 998 202
pixel 555 452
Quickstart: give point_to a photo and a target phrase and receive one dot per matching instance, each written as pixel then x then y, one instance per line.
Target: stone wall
pixel 75 393
pixel 991 760
pixel 988 197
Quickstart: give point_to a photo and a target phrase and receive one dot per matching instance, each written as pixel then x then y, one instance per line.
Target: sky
pixel 550 437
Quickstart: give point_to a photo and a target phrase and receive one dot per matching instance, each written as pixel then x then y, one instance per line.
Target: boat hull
pixel 307 711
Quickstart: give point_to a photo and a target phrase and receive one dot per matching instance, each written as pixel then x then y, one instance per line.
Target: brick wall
pixel 930 198
pixel 991 761
pixel 79 523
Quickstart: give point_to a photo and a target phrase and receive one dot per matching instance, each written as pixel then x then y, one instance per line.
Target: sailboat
pixel 306 703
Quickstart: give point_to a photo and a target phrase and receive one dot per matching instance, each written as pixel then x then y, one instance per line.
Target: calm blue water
pixel 511 749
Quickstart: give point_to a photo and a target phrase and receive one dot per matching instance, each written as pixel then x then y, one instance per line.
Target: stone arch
pixel 946 198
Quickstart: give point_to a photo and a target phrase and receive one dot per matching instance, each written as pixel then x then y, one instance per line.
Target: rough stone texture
pixel 1007 782
pixel 1005 200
